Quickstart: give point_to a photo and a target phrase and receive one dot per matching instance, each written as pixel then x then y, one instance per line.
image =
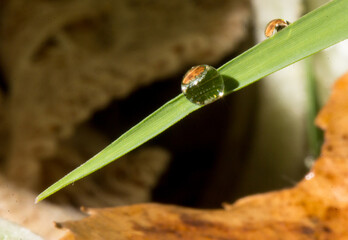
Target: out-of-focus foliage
pixel 13 231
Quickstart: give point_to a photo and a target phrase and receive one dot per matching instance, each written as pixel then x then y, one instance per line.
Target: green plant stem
pixel 315 136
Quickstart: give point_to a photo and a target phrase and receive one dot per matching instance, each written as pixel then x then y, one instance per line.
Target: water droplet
pixel 309 176
pixel 275 26
pixel 202 85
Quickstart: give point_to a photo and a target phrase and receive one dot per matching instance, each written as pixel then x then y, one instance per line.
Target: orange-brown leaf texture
pixel 317 208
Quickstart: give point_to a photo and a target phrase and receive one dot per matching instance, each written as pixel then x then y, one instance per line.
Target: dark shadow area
pixel 3 84
pixel 230 83
pixel 121 115
pixel 195 144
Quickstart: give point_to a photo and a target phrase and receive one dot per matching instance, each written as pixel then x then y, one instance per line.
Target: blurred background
pixel 75 75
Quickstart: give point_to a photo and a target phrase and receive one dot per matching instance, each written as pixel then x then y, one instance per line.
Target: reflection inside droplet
pixel 275 26
pixel 202 85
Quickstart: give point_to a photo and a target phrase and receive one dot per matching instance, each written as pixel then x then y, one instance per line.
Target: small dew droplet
pixel 309 176
pixel 275 26
pixel 202 85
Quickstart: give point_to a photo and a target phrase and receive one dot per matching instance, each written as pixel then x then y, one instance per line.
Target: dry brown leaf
pixel 317 208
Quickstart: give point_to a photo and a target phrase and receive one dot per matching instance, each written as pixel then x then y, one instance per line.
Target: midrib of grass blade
pixel 315 31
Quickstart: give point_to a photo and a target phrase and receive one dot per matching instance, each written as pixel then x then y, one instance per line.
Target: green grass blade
pixel 315 31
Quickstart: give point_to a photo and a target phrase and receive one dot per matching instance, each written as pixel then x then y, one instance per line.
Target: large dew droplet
pixel 202 85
